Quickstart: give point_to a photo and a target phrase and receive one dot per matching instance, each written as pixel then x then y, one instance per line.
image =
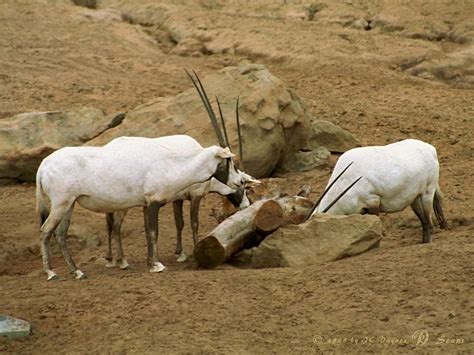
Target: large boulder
pixel 275 121
pixel 26 139
pixel 322 239
pixel 334 138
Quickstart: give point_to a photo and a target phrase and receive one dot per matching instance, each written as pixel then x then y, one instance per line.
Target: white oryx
pixel 395 176
pixel 194 193
pixel 120 176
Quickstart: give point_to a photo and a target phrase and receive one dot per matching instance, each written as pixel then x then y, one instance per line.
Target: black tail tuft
pixel 43 215
pixel 438 210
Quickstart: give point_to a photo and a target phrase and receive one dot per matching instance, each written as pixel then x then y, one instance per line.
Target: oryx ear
pixel 225 153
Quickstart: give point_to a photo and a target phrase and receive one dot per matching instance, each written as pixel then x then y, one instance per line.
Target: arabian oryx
pixel 396 176
pixel 117 177
pixel 194 193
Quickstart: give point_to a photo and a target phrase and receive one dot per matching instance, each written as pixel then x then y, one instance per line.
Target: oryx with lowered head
pixel 134 171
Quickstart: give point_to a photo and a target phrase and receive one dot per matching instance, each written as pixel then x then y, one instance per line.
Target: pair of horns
pixel 223 139
pixel 327 190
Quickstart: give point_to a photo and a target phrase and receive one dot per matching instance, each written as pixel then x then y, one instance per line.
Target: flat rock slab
pixel 14 327
pixel 322 239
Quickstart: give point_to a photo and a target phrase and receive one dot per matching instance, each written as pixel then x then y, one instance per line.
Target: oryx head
pixel 326 190
pixel 226 172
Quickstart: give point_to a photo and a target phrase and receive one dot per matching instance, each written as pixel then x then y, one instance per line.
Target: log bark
pixel 249 227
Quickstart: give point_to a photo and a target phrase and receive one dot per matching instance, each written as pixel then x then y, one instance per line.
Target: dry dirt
pixel 55 55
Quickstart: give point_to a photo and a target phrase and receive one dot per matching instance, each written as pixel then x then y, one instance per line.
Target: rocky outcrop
pixel 274 120
pixel 277 132
pixel 456 68
pixel 26 139
pixel 322 239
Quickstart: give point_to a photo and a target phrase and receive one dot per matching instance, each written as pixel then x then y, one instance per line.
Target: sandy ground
pixel 55 55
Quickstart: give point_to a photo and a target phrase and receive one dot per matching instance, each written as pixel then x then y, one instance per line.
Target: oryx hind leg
pixel 58 211
pixel 114 227
pixel 179 222
pixel 195 204
pixel 61 233
pixel 117 231
pixel 423 212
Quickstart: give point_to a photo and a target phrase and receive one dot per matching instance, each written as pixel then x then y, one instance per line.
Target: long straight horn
pixel 223 123
pixel 208 106
pixel 341 194
pixel 327 190
pixel 237 118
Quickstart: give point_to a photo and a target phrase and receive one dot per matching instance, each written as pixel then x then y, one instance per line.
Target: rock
pixel 274 120
pixel 91 4
pixel 26 139
pixel 304 161
pixel 13 327
pixel 188 47
pixel 353 21
pixel 322 239
pixel 242 258
pixel 333 138
pixel 385 24
pixel 456 68
pixel 108 15
pixel 86 236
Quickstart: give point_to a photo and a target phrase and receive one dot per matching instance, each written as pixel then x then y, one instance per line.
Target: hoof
pixel 182 258
pixel 80 275
pixel 51 275
pixel 124 265
pixel 158 267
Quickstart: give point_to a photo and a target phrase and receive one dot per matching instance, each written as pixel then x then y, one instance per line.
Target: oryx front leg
pixel 151 212
pixel 109 217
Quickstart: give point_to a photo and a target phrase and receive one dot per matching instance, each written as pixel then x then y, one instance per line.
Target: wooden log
pixel 248 227
pixel 295 209
pixel 227 238
pixel 268 217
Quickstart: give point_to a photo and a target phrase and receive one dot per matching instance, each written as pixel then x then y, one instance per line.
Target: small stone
pixel 385 319
pixel 453 140
pixel 13 327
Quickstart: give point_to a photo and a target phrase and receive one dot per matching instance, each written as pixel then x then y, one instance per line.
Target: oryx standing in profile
pixel 134 171
pixel 194 193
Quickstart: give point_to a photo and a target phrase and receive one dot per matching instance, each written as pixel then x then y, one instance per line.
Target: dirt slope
pixel 357 74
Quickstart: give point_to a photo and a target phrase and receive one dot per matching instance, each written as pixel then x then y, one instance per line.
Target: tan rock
pixel 26 139
pixel 334 138
pixel 322 239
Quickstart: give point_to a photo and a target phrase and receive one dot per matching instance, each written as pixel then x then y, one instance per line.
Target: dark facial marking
pixel 222 171
pixel 237 197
